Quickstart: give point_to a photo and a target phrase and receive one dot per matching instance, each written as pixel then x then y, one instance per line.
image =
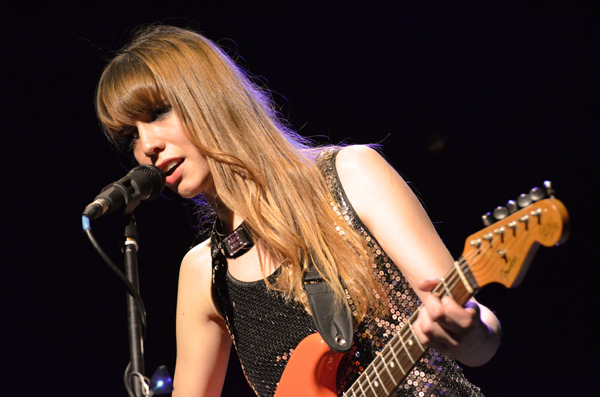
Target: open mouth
pixel 173 168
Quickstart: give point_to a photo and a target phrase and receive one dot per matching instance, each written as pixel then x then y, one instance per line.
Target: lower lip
pixel 174 177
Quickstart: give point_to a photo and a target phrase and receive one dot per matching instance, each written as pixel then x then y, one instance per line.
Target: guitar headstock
pixel 503 250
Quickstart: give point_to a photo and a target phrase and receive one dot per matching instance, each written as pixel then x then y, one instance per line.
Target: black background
pixel 473 103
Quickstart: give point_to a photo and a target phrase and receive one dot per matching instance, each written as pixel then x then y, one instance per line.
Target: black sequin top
pixel 265 328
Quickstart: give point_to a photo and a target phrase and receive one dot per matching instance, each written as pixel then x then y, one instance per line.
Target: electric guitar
pixel 499 253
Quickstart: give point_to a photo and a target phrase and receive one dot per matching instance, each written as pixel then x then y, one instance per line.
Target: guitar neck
pixel 499 253
pixel 403 351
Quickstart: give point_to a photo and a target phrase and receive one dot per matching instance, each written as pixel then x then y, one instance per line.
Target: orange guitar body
pixel 311 371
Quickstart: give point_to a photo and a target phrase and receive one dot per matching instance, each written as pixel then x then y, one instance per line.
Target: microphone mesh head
pixel 157 179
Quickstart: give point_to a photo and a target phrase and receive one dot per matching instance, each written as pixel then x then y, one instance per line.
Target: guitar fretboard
pixel 403 351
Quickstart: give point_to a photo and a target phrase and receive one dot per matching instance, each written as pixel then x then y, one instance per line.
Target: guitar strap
pixel 335 326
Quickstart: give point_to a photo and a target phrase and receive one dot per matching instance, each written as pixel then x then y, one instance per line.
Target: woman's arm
pixel 388 207
pixel 203 343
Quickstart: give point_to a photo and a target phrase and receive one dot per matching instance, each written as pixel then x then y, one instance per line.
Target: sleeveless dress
pixel 265 327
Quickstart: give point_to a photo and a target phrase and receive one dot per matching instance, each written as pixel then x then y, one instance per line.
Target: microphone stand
pixel 135 373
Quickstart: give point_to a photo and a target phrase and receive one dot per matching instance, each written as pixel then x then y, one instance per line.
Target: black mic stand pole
pixel 135 374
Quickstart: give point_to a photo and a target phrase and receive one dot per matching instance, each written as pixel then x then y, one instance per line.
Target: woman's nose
pixel 149 142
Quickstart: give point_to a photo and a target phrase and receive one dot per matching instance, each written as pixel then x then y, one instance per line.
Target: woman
pixel 178 102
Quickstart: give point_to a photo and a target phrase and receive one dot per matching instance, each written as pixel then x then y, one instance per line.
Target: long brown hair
pixel 261 169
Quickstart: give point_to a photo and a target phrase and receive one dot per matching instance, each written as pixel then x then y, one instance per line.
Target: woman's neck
pixel 228 218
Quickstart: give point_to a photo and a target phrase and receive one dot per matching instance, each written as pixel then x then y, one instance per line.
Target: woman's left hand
pixel 468 333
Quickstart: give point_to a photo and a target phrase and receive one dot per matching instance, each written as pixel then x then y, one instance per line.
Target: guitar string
pixel 510 242
pixel 390 347
pixel 378 361
pixel 506 242
pixel 452 277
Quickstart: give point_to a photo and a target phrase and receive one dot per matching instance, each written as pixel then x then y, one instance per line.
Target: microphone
pixel 144 182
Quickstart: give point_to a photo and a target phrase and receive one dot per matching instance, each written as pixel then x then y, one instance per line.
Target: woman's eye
pixel 133 138
pixel 160 113
pixel 127 140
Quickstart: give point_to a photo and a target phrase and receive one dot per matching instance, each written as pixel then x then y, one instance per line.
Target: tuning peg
pixel 549 190
pixel 524 200
pixel 487 219
pixel 500 213
pixel 537 194
pixel 512 206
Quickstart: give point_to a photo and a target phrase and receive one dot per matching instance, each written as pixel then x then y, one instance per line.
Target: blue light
pixel 161 382
pixel 85 222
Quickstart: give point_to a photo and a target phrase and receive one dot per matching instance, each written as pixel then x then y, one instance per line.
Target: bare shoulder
pixel 198 258
pixel 367 178
pixel 195 279
pixel 391 211
pixel 358 158
pixel 360 165
pixel 203 342
pixel 196 263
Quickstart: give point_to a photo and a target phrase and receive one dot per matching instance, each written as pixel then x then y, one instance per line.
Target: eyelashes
pixel 126 140
pixel 160 113
pixel 132 138
pixel 127 137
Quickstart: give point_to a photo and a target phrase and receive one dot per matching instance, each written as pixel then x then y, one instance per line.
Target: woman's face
pixel 161 141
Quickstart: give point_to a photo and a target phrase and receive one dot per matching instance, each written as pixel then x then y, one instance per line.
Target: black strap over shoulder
pixel 335 326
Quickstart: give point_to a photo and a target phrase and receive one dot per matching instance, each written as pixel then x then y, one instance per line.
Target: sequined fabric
pixel 435 374
pixel 265 328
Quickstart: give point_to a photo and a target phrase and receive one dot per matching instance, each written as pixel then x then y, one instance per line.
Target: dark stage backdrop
pixel 473 104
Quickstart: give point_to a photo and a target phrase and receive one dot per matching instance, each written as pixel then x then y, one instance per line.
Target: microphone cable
pixel 115 269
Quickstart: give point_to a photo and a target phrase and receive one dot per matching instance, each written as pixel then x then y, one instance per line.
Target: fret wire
pixel 381 383
pixel 454 279
pixel 406 349
pixel 379 361
pixel 457 281
pixel 379 373
pixel 385 363
pixel 360 386
pixel 443 282
pixel 398 362
pixel 370 385
pixel 447 285
pixel 415 338
pixel 442 288
pixel 363 383
pixel 453 282
pixel 373 369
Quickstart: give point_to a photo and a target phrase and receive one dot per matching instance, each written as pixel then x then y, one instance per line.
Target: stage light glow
pixel 161 382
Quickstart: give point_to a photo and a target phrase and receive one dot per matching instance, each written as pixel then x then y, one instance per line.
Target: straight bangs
pixel 260 168
pixel 127 89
